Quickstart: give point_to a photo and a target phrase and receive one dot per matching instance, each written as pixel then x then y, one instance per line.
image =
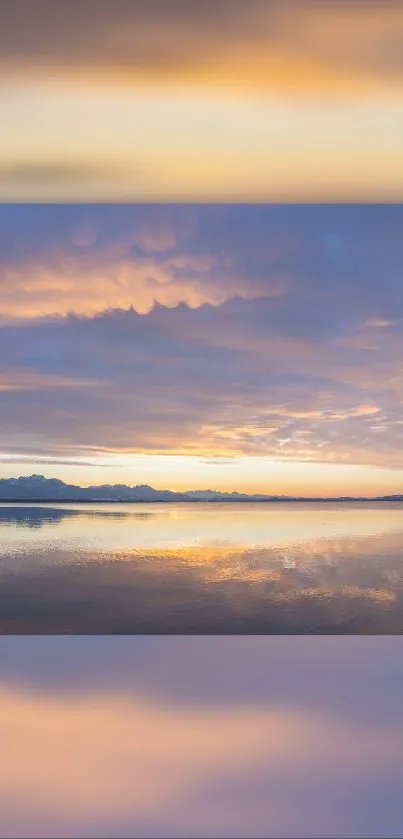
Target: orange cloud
pixel 275 44
pixel 115 280
pixel 284 100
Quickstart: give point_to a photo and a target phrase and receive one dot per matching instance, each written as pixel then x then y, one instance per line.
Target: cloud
pixel 269 331
pixel 38 173
pixel 134 256
pixel 53 461
pixel 112 760
pixel 112 757
pixel 343 674
pixel 291 100
pixel 211 388
pixel 41 180
pixel 142 749
pixel 140 254
pixel 273 44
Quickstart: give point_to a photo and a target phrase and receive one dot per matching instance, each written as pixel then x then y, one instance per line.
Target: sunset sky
pixel 201 288
pixel 168 100
pixel 253 348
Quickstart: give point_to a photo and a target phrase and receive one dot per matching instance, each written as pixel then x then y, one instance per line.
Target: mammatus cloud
pixel 210 331
pixel 117 281
pixel 129 257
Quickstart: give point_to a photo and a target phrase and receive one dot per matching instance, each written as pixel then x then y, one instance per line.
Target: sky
pixel 166 100
pixel 201 736
pixel 233 347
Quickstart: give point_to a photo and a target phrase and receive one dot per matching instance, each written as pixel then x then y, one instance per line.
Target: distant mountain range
pixel 39 488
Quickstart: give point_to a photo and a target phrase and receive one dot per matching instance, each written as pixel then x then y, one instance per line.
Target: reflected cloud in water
pixel 202 568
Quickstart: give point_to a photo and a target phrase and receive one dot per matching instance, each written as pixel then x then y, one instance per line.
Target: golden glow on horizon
pixel 235 474
pixel 218 144
pixel 214 148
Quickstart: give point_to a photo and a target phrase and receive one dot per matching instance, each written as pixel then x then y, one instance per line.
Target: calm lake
pixel 227 568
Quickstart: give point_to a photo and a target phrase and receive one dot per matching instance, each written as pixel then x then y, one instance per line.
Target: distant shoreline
pixel 40 490
pixel 290 500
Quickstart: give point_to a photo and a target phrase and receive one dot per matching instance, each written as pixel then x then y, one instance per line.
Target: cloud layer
pixel 161 100
pixel 259 331
pixel 272 44
pixel 189 736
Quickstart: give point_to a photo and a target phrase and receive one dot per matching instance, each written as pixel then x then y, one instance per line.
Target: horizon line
pixel 264 496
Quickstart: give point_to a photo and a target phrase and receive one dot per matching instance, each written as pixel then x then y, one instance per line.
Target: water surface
pixel 201 568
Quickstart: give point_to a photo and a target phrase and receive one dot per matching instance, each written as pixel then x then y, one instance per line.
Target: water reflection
pixel 115 738
pixel 34 517
pixel 201 569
